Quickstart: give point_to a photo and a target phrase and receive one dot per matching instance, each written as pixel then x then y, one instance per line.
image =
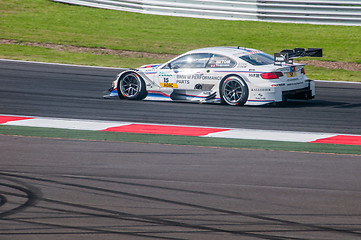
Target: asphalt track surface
pixel 73 92
pixel 77 189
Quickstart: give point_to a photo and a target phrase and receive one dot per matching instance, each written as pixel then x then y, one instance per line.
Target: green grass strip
pixel 319 73
pixel 179 140
pixel 44 21
pixel 40 54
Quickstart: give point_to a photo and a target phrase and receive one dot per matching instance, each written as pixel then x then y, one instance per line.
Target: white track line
pixel 66 124
pixel 272 135
pixel 120 69
pixel 62 64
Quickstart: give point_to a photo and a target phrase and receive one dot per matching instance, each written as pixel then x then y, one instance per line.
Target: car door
pixel 185 72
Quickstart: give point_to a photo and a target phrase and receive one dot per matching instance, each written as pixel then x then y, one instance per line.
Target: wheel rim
pixel 130 85
pixel 233 91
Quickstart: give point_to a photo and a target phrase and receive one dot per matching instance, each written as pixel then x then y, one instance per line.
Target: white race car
pixel 230 75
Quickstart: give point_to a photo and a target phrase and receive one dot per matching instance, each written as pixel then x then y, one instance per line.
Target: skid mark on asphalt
pixel 193 219
pixel 16 196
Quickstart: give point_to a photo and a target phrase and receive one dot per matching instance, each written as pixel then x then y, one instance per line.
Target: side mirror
pixel 169 65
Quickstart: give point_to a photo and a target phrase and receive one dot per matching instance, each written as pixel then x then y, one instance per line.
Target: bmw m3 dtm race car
pixel 230 75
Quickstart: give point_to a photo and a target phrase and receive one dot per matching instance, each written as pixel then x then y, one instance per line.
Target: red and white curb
pixel 129 127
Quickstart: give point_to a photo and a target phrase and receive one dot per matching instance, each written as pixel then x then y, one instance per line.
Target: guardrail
pixel 330 12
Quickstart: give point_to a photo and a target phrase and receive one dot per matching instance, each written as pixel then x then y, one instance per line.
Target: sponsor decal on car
pixel 254 75
pixel 164 74
pixel 169 85
pixel 211 77
pixel 261 90
pixel 183 81
pixel 198 76
pixel 291 74
pixel 259 96
pixel 296 83
pixel 223 63
pixel 279 85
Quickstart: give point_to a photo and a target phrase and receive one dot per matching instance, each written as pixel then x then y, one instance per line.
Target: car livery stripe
pixel 131 127
pixel 250 100
pixel 195 96
pixel 150 66
pixel 225 71
pixel 158 94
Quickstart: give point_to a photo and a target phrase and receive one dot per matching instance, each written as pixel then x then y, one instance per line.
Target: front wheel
pixel 131 86
pixel 233 91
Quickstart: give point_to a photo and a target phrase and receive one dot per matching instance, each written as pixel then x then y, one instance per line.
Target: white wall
pixel 331 12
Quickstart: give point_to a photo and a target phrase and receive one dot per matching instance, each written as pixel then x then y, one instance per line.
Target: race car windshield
pixel 258 59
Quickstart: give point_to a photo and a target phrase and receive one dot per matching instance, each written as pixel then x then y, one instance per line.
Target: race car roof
pixel 234 51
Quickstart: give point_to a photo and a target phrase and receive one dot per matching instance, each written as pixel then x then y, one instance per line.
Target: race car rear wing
pixel 287 55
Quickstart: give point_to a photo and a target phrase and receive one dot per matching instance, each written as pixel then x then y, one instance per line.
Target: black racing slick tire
pixel 131 86
pixel 233 91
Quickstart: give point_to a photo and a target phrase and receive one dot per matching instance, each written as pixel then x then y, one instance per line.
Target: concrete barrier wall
pixel 330 12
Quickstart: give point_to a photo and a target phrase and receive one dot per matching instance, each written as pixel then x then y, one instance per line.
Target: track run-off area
pixel 57 183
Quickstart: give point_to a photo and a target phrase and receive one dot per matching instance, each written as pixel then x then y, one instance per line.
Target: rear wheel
pixel 131 86
pixel 234 91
